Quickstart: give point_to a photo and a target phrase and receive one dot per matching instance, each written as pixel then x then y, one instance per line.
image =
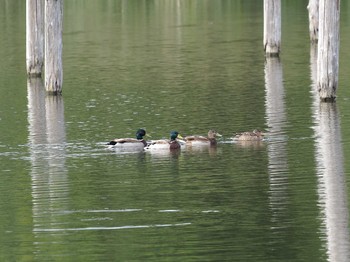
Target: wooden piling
pixel 328 49
pixel 53 46
pixel 272 27
pixel 313 8
pixel 34 37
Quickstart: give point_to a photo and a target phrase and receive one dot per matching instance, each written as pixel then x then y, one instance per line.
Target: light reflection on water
pixel 107 228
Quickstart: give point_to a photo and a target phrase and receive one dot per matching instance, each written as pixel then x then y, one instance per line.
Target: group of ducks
pixel 176 140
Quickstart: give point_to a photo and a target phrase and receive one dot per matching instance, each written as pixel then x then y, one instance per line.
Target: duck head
pixel 174 135
pixel 140 133
pixel 212 134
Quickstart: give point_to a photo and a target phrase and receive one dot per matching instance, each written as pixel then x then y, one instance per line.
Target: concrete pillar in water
pixel 53 46
pixel 272 27
pixel 34 37
pixel 328 49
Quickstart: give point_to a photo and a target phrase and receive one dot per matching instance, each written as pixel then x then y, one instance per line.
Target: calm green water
pixel 186 65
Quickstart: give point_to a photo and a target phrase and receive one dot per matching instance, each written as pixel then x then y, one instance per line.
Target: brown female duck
pixel 255 135
pixel 196 140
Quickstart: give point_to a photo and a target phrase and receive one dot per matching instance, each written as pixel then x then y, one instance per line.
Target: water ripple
pixel 107 228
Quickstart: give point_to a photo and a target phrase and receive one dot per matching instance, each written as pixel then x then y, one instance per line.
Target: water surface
pixel 165 65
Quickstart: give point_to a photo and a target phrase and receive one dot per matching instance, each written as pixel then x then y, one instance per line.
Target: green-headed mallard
pixel 165 144
pixel 210 140
pixel 137 143
pixel 255 135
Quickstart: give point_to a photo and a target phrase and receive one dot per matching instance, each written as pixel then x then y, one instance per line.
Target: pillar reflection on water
pixel 277 145
pixel 47 153
pixel 332 195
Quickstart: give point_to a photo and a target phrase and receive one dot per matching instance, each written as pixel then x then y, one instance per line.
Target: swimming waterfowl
pixel 130 143
pixel 196 140
pixel 165 144
pixel 255 135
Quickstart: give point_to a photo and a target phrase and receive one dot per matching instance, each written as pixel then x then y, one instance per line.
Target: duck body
pixel 165 144
pixel 196 140
pixel 127 144
pixel 255 135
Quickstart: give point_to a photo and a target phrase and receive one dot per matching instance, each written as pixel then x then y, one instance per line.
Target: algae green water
pixel 164 65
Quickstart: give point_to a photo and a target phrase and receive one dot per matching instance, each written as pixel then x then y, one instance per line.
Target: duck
pixel 137 143
pixel 165 144
pixel 255 135
pixel 196 140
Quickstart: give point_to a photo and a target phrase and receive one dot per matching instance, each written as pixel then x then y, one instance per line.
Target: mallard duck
pixel 130 143
pixel 210 140
pixel 255 135
pixel 165 144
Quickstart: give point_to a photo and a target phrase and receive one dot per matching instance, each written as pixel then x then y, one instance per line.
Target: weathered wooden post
pixel 53 46
pixel 34 37
pixel 313 19
pixel 272 27
pixel 328 49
